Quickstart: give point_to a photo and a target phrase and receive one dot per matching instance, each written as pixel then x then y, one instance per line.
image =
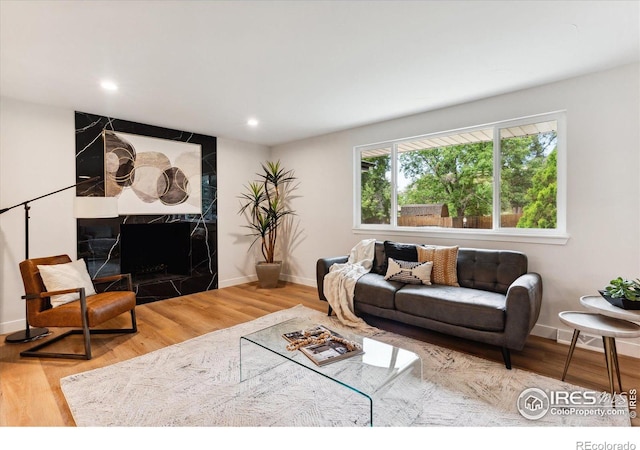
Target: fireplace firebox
pixel 155 250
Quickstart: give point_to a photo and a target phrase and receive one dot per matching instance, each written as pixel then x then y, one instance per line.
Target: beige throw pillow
pixel 409 272
pixel 58 277
pixel 445 261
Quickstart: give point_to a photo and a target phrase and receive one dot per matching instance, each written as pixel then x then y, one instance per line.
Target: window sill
pixel 532 237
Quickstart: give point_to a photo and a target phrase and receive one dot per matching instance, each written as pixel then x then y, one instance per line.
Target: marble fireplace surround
pixel 99 240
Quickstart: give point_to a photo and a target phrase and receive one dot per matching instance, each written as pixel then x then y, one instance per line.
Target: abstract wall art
pixel 151 175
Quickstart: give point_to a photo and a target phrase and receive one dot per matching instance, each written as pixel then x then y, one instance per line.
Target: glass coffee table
pixel 381 372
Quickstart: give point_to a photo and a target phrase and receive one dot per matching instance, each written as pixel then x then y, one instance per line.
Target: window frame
pixel 558 235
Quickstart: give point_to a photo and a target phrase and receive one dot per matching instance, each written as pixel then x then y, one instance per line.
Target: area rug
pixel 197 383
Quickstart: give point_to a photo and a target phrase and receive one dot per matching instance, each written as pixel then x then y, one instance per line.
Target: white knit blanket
pixel 340 283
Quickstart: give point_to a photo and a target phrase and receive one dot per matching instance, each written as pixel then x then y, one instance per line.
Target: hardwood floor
pixel 30 392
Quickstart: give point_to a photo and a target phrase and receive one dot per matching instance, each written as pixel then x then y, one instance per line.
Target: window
pixel 504 178
pixel 376 186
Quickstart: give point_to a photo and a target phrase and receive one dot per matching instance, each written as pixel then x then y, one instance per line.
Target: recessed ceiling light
pixel 108 85
pixel 252 122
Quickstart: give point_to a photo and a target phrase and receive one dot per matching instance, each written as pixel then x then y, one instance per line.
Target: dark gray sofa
pixel 498 301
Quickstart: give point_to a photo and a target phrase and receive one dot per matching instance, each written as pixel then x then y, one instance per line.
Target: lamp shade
pixel 95 207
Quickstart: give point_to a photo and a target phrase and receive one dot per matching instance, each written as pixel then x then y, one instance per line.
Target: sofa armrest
pixel 523 302
pixel 322 268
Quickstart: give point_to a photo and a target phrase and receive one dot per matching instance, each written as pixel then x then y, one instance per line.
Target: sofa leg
pixel 330 311
pixel 506 355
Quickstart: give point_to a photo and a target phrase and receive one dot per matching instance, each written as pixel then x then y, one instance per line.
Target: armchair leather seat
pixel 100 308
pixel 83 314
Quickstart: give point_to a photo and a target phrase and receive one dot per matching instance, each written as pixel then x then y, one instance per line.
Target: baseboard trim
pixel 13 326
pixel 594 342
pixel 311 282
pixel 250 279
pixel 236 281
pixel 545 331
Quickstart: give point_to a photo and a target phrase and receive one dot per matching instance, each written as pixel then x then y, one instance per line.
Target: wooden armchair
pixel 83 314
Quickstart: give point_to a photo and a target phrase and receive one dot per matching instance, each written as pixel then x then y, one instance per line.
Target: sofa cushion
pixel 374 290
pixel 471 308
pixel 399 251
pixel 490 270
pixel 445 263
pixel 409 272
pixel 379 259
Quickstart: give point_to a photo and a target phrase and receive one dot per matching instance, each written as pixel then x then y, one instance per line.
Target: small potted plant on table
pixel 623 293
pixel 265 204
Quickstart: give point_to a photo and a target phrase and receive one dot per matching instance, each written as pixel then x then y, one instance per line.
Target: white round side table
pixel 598 304
pixel 609 328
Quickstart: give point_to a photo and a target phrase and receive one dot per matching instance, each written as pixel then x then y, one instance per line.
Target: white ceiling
pixel 303 68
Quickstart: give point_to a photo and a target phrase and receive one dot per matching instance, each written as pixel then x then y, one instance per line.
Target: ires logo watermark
pixel 534 403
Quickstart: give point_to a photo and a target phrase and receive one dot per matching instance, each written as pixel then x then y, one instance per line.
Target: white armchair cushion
pixel 58 277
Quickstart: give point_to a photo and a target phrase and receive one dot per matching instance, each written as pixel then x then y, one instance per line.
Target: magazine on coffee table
pixel 321 349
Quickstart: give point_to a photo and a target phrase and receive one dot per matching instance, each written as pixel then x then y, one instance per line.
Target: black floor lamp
pixel 108 210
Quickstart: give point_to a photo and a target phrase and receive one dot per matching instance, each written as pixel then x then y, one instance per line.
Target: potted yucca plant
pixel 265 204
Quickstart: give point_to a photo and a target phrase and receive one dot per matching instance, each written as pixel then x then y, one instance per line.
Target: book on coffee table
pixel 333 349
pixel 313 331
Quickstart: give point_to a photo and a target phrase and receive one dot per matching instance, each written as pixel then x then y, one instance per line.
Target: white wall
pixel 603 140
pixel 238 162
pixel 37 156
